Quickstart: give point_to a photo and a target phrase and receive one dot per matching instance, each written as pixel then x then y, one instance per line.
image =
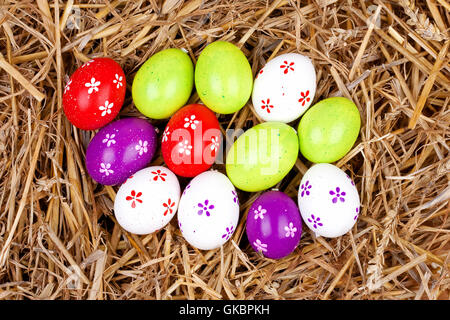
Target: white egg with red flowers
pixel 328 200
pixel 148 200
pixel 284 88
pixel 208 212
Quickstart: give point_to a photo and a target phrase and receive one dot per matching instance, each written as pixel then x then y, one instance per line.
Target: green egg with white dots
pixel 262 156
pixel 329 129
pixel 163 84
pixel 223 77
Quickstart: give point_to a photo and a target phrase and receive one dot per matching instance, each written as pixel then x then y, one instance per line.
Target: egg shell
pixel 120 149
pixel 274 226
pixel 329 129
pixel 94 94
pixel 284 88
pixel 148 200
pixel 223 77
pixel 191 140
pixel 209 211
pixel 163 84
pixel 328 200
pixel 262 156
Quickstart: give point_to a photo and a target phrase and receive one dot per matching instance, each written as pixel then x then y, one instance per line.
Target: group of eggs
pixel 208 208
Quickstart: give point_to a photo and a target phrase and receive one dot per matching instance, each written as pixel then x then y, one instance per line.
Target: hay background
pixel 57 228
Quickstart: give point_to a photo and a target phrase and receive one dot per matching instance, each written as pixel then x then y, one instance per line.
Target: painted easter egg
pixel 223 77
pixel 163 84
pixel 284 88
pixel 262 156
pixel 328 200
pixel 329 129
pixel 120 149
pixel 209 211
pixel 94 94
pixel 148 200
pixel 191 140
pixel 274 225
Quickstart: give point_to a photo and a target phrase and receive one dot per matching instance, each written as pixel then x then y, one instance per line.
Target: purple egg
pixel 120 149
pixel 274 225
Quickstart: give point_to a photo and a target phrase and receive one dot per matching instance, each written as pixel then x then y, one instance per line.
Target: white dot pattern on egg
pixel 209 210
pixel 328 200
pixel 284 88
pixel 148 200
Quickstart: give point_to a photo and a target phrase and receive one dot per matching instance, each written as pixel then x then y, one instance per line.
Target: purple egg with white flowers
pixel 274 225
pixel 120 149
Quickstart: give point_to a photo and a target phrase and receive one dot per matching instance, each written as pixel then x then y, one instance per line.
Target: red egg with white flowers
pixel 191 140
pixel 94 94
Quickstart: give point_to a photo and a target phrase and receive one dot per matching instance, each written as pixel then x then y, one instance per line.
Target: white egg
pixel 148 200
pixel 209 210
pixel 284 88
pixel 328 200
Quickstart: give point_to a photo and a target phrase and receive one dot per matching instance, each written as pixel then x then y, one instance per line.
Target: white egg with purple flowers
pixel 284 88
pixel 208 212
pixel 328 200
pixel 147 200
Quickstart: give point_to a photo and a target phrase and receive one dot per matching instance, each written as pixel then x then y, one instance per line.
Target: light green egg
pixel 329 129
pixel 223 77
pixel 163 84
pixel 262 156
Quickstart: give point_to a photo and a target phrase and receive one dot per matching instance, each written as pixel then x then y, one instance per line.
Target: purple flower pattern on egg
pixel 235 197
pixel 315 221
pixel 350 179
pixel 205 208
pixel 305 188
pixel 357 213
pixel 338 195
pixel 187 187
pixel 228 232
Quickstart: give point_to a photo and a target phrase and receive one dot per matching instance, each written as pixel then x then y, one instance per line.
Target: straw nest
pixel 58 235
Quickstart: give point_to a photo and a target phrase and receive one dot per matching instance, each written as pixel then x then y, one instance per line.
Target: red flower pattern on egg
pixel 169 205
pixel 304 97
pixel 287 66
pixel 266 105
pixel 134 198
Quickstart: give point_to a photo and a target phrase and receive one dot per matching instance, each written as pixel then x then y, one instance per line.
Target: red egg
pixel 191 140
pixel 94 94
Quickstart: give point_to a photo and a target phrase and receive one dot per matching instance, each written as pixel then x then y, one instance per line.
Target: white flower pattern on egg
pixel 214 144
pixel 105 168
pixel 191 122
pixel 109 139
pixel 118 81
pixel 259 213
pixel 106 108
pixel 93 85
pixel 67 87
pixel 185 147
pixel 165 135
pixel 142 147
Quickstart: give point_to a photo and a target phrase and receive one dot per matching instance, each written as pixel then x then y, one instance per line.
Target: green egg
pixel 223 77
pixel 262 156
pixel 329 129
pixel 163 84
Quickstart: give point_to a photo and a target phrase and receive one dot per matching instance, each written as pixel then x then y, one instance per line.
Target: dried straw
pixel 58 235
